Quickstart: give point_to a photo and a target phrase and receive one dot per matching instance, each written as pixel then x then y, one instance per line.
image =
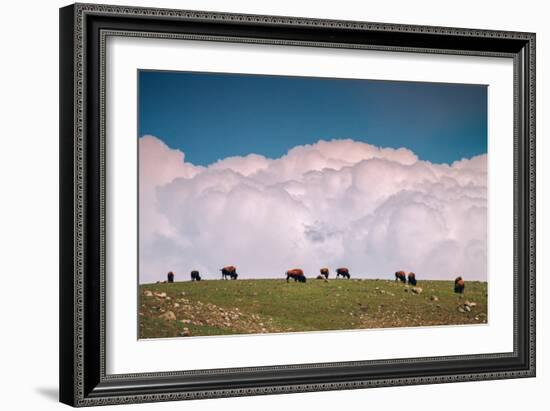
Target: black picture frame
pixel 83 29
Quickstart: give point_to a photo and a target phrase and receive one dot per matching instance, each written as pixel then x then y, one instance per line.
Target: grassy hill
pixel 217 307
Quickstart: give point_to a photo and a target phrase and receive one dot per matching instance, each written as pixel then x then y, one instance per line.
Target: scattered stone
pixel 148 293
pixel 467 308
pixel 176 305
pixel 160 295
pixel 182 293
pixel 185 332
pixel 185 321
pixel 168 316
pixel 434 298
pixel 416 290
pixel 461 310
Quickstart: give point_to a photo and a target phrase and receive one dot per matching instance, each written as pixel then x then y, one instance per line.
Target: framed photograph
pixel 262 204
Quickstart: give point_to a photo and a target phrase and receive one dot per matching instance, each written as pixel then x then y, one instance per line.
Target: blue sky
pixel 211 116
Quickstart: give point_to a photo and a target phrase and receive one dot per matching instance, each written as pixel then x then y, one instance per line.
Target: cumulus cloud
pixel 332 203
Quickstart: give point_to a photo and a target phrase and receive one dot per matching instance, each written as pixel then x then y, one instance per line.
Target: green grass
pixel 218 307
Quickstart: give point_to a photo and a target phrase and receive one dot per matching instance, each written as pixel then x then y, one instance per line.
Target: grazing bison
pixel 229 271
pixel 297 274
pixel 324 272
pixel 344 272
pixel 459 285
pixel 411 278
pixel 170 277
pixel 401 276
pixel 195 275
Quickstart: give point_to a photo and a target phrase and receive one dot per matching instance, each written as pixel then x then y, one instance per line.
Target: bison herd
pixel 297 274
pixel 404 277
pixel 410 278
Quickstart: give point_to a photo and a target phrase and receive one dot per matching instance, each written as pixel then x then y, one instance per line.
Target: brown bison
pixel 229 271
pixel 170 277
pixel 459 285
pixel 195 275
pixel 297 274
pixel 324 272
pixel 411 279
pixel 344 272
pixel 401 276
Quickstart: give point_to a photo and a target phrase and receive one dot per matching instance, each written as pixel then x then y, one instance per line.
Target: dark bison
pixel 195 275
pixel 344 272
pixel 459 285
pixel 401 276
pixel 324 272
pixel 229 271
pixel 170 277
pixel 297 274
pixel 411 278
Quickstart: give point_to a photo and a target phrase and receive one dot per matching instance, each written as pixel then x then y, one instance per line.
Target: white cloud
pixel 333 203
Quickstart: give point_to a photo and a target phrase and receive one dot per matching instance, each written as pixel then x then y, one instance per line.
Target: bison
pixel 401 276
pixel 344 272
pixel 324 272
pixel 459 285
pixel 195 275
pixel 411 279
pixel 297 274
pixel 170 277
pixel 229 271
